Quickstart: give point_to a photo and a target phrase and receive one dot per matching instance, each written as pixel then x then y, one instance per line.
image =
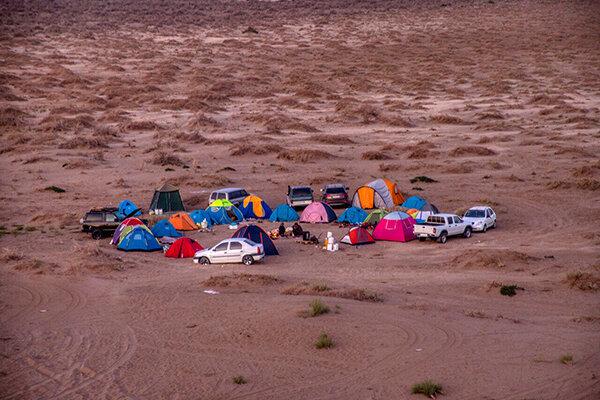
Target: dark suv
pixel 100 222
pixel 335 194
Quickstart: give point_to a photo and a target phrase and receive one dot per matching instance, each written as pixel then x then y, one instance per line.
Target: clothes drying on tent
pixel 396 226
pixel 132 221
pixel 128 209
pixel 353 215
pixel 164 228
pixel 167 199
pixel 317 212
pixel 358 235
pixel 224 215
pixel 182 222
pixel 254 207
pixel 419 203
pixel 257 235
pixel 283 213
pixel 139 239
pixel 200 215
pixel 381 193
pixel 374 217
pixel 183 248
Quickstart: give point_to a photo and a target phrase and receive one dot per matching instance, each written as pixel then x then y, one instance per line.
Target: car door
pixel 491 217
pixel 219 254
pixel 455 227
pixel 458 226
pixel 235 252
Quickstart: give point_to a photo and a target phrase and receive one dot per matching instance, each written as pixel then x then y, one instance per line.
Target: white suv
pixel 234 250
pixel 234 195
pixel 481 218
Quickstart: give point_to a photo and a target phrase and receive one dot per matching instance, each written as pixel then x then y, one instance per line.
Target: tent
pixel 183 248
pixel 254 207
pixel 132 221
pixel 396 226
pixel 224 214
pixel 353 215
pixel 257 235
pixel 200 215
pixel 128 209
pixel 182 222
pixel 128 229
pixel 283 213
pixel 167 199
pixel 139 239
pixel 374 217
pixel 419 203
pixel 318 211
pixel 358 235
pixel 165 228
pixel 419 216
pixel 381 193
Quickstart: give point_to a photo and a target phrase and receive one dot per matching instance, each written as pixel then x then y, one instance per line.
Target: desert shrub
pixel 446 119
pixel 141 126
pixel 422 178
pixel 588 184
pixel 8 254
pixel 11 117
pixel 242 279
pixel 324 341
pixel 164 159
pixel 55 189
pixel 331 139
pixel 389 167
pixel 374 155
pixel 583 281
pixel 508 290
pixel 304 155
pixel 84 143
pixel 254 149
pixel 566 359
pixel 471 151
pixel 317 307
pixel 427 388
pixel 239 380
pixel 305 288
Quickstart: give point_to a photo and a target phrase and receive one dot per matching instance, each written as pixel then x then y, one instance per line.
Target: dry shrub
pixel 60 124
pixel 37 159
pixel 459 169
pixel 587 184
pixel 304 155
pixel 7 255
pixel 200 120
pixel 491 258
pixel 92 257
pixel 241 280
pixel 311 289
pixel 79 164
pixel 165 159
pixel 45 220
pixel 36 265
pixel 492 114
pixel 12 117
pixel 495 139
pixel 423 152
pixel 331 139
pixel 587 170
pixel 140 126
pixel 546 100
pixel 254 149
pixel 80 142
pixel 374 155
pixel 106 132
pixel 463 151
pixel 447 119
pixel 577 151
pixel 389 167
pixel 583 281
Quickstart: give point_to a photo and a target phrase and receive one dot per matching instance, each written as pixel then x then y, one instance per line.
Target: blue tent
pixel 127 208
pixel 254 207
pixel 224 215
pixel 257 235
pixel 139 239
pixel 200 215
pixel 165 228
pixel 353 215
pixel 419 203
pixel 284 213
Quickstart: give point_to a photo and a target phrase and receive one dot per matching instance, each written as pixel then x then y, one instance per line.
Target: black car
pixel 100 222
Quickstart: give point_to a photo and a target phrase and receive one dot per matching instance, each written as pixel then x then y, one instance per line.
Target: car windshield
pixel 249 242
pixel 94 217
pixel 301 192
pixel 475 214
pixel 335 190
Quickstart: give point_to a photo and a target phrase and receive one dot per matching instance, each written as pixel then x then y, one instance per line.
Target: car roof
pixel 235 240
pixel 334 185
pixel 444 215
pixel 300 187
pixel 227 190
pixel 480 208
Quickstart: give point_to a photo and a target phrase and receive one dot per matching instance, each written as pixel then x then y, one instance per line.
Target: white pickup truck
pixel 440 226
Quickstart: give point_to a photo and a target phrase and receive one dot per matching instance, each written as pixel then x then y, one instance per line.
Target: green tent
pixel 374 217
pixel 167 199
pixel 221 203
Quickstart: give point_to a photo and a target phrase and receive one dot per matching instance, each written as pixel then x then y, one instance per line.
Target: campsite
pixel 136 139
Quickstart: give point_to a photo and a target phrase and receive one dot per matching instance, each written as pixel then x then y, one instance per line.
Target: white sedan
pixel 481 218
pixel 234 250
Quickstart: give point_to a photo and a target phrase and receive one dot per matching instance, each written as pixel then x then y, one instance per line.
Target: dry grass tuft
pixel 80 142
pixel 165 159
pixel 254 149
pixel 447 119
pixel 464 151
pixel 331 139
pixel 241 280
pixel 375 155
pixel 304 155
pixel 583 281
pixel 8 254
pixel 305 288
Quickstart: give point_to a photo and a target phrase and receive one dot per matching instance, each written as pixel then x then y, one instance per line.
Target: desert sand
pixel 499 102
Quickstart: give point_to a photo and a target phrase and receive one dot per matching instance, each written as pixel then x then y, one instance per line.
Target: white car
pixel 481 218
pixel 234 250
pixel 234 195
pixel 440 226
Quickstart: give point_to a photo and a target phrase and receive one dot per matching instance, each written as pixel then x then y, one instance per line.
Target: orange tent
pixel 381 193
pixel 183 222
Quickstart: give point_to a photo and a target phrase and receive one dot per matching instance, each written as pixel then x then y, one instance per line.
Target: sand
pixel 499 102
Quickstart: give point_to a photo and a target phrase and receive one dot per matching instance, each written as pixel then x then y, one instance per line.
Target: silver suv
pixel 299 196
pixel 234 195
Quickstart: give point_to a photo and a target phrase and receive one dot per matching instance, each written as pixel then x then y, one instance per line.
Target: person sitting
pixel 297 230
pixel 281 230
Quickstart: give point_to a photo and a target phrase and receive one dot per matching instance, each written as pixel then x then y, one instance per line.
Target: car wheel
pixel 467 233
pixel 248 260
pixel 96 234
pixel 484 230
pixel 421 239
pixel 443 238
pixel 494 226
pixel 203 261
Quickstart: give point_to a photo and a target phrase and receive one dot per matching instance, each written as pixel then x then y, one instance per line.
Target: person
pixel 296 230
pixel 281 230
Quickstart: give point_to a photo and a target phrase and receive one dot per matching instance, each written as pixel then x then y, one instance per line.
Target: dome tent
pixel 183 248
pixel 396 226
pixel 358 235
pixel 318 211
pixel 223 212
pixel 127 209
pixel 182 222
pixel 283 213
pixel 132 221
pixel 353 215
pixel 200 215
pixel 380 193
pixel 167 199
pixel 374 217
pixel 254 207
pixel 139 239
pixel 165 228
pixel 257 235
pixel 419 203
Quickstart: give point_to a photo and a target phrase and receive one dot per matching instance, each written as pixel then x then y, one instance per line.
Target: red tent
pixel 183 248
pixel 358 235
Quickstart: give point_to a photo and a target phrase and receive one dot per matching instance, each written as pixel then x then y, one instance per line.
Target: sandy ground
pixel 498 102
